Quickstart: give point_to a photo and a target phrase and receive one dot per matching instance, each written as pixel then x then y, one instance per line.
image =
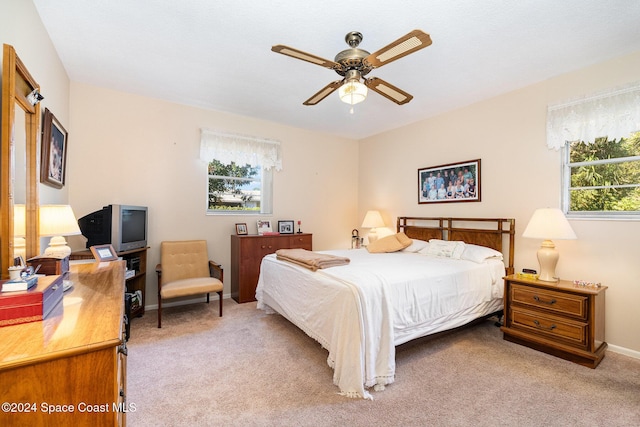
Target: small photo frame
pixel 53 160
pixel 104 253
pixel 285 227
pixel 241 228
pixel 264 226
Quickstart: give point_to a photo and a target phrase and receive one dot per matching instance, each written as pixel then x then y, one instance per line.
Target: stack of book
pixel 19 284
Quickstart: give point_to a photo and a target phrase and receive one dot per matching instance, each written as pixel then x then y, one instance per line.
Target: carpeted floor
pixel 253 369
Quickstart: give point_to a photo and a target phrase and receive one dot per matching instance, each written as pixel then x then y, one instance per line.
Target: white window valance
pixel 613 114
pixel 241 149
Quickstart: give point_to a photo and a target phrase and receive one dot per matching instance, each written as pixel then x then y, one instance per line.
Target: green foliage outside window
pixel 605 175
pixel 233 187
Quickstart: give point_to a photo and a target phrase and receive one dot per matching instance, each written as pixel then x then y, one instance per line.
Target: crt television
pixel 122 226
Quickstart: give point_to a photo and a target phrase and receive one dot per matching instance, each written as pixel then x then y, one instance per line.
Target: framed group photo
pixel 53 157
pixel 454 182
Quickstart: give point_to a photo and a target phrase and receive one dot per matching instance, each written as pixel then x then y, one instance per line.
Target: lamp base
pixel 372 236
pixel 548 259
pixel 57 248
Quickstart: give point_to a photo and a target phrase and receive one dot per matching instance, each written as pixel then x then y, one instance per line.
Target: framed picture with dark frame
pixel 454 182
pixel 104 253
pixel 241 228
pixel 285 227
pixel 53 153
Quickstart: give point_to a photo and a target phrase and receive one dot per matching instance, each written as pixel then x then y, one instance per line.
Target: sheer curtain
pixel 241 149
pixel 614 114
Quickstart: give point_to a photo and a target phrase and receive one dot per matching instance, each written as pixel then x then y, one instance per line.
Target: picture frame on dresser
pixel 264 226
pixel 104 253
pixel 241 229
pixel 285 227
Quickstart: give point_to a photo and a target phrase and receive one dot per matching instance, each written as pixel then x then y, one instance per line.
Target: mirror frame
pixel 17 83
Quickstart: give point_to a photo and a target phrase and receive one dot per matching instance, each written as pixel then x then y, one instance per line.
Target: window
pixel 600 136
pixel 602 179
pixel 239 172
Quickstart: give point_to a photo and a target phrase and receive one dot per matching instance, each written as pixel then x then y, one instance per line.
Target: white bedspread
pixel 361 311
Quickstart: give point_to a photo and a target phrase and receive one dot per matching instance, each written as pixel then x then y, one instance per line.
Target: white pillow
pixel 479 254
pixel 416 246
pixel 446 249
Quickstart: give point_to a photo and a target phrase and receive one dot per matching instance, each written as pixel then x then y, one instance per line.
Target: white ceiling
pixel 216 54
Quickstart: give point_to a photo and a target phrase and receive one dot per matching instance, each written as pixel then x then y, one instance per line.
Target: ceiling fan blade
pixel 324 92
pixel 387 90
pixel 412 42
pixel 298 54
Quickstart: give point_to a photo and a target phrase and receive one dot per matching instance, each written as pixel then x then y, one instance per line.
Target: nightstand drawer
pixel 557 302
pixel 574 333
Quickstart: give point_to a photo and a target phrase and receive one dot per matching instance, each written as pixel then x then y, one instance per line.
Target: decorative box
pixel 33 305
pixel 50 265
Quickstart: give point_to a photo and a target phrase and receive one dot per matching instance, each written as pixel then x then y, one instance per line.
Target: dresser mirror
pixel 18 167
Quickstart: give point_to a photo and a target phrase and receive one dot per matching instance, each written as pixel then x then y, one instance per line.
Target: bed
pixel 362 310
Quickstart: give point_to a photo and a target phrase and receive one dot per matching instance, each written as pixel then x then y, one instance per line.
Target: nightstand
pixel 559 318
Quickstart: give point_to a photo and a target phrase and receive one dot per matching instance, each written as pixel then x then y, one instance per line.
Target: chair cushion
pixel 184 287
pixel 183 260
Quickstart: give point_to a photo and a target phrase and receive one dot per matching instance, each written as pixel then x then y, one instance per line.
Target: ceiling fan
pixel 354 64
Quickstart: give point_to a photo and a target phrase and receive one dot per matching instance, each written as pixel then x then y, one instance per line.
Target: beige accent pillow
pixel 392 243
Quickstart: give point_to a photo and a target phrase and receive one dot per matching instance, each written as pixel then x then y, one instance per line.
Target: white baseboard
pixel 621 350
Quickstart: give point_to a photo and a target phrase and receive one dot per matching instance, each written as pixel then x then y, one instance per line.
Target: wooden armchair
pixel 185 270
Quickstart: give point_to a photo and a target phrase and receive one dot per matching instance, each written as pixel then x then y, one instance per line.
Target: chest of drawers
pixel 247 252
pixel 559 318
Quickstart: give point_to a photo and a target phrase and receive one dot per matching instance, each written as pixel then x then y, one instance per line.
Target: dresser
pixel 247 252
pixel 559 318
pixel 136 261
pixel 70 369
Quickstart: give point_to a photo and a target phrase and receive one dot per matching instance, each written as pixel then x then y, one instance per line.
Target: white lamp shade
pixel 58 220
pixel 372 219
pixel 547 224
pixel 352 92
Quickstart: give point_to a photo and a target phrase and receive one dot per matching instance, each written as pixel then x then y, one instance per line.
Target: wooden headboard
pixel 495 233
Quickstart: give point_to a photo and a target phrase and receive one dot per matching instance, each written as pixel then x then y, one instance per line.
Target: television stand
pixel 136 260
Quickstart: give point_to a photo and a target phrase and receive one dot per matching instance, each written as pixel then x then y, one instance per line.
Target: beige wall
pixel 134 150
pixel 148 155
pixel 20 27
pixel 519 174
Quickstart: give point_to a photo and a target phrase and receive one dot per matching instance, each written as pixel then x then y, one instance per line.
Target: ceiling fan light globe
pixel 352 92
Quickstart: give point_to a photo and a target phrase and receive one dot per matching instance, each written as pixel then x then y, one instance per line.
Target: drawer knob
pixel 539 326
pixel 551 302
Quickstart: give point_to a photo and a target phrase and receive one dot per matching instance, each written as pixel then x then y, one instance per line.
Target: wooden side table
pixel 559 318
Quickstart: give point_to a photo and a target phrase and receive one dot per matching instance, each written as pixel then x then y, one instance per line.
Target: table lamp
pixel 57 221
pixel 547 224
pixel 372 220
